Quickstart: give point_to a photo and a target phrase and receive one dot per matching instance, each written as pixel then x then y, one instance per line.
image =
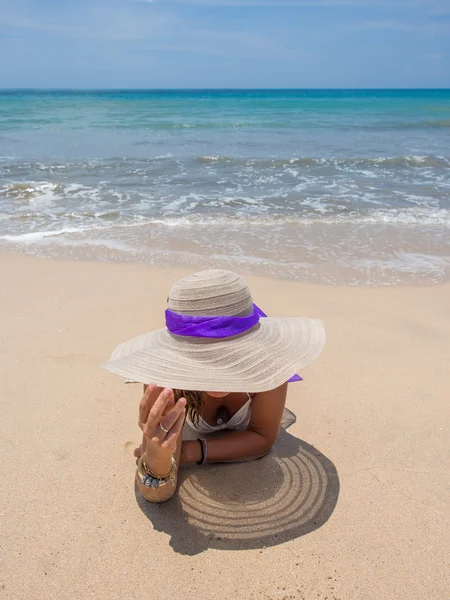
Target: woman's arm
pixel 157 408
pixel 257 440
pixel 165 492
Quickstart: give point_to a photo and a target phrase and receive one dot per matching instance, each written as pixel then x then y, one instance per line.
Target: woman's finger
pixel 170 404
pixel 147 402
pixel 170 442
pixel 156 412
pixel 167 422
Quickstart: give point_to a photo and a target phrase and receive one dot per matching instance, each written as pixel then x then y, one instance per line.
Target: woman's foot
pixel 137 452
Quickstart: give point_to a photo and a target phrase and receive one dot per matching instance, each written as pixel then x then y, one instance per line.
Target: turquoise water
pixel 335 186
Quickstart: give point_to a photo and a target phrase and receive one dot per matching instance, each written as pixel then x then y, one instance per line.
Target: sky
pixel 224 43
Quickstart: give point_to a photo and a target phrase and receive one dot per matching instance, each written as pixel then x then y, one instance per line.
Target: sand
pixel 351 504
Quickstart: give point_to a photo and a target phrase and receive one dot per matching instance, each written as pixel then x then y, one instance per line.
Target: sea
pixel 343 187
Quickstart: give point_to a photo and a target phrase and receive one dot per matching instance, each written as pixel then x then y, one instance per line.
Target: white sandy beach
pixel 352 504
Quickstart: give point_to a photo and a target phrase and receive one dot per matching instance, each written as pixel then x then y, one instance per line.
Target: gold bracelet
pixel 151 479
pixel 149 471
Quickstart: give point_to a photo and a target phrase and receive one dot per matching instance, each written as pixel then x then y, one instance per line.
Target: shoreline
pixel 247 273
pixel 351 502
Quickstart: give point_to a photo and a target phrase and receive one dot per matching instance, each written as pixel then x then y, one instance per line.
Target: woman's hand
pixel 161 420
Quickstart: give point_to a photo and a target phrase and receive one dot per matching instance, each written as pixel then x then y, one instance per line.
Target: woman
pixel 217 340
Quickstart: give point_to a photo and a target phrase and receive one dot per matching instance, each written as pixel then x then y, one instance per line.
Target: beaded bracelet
pixel 149 478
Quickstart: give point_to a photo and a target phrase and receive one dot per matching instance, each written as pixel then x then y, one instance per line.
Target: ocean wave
pixel 189 127
pixel 138 166
pixel 290 121
pixel 49 193
pixel 419 124
pixel 389 161
pixel 12 165
pixel 31 190
pixel 87 216
pixel 413 217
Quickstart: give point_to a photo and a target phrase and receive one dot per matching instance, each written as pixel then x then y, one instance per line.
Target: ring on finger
pixel 163 428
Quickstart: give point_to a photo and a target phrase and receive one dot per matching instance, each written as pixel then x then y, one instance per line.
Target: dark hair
pixel 194 403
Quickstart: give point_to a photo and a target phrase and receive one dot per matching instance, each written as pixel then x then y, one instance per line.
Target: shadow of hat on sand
pixel 284 495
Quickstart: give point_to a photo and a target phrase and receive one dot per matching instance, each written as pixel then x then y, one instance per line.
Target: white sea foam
pixel 112 244
pixel 411 216
pixel 414 262
pixel 401 262
pixel 249 215
pixel 31 190
pixel 36 236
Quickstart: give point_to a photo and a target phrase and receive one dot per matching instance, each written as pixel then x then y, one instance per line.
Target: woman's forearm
pixel 228 446
pixel 159 494
pixel 160 463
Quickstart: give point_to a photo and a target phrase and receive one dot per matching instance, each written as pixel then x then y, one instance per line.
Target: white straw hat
pixel 264 353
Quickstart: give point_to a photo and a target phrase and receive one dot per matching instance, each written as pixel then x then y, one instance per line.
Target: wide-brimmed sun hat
pixel 217 340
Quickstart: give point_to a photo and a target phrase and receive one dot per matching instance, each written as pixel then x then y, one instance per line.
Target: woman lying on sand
pixel 215 339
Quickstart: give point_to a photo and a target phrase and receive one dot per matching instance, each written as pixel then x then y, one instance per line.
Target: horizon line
pixel 220 89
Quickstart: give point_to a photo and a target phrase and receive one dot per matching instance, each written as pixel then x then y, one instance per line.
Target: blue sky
pixel 224 43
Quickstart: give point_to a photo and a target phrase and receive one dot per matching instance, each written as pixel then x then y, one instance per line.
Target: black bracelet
pixel 200 462
pixel 204 448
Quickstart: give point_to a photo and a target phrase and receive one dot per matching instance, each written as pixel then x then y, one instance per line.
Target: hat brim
pixel 259 360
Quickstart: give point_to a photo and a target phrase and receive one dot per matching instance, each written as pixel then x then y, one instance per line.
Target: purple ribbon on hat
pixel 214 327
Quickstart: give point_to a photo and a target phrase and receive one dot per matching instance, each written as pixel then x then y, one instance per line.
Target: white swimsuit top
pixel 239 420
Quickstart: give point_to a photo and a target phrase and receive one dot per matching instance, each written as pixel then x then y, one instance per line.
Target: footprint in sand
pixel 130 447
